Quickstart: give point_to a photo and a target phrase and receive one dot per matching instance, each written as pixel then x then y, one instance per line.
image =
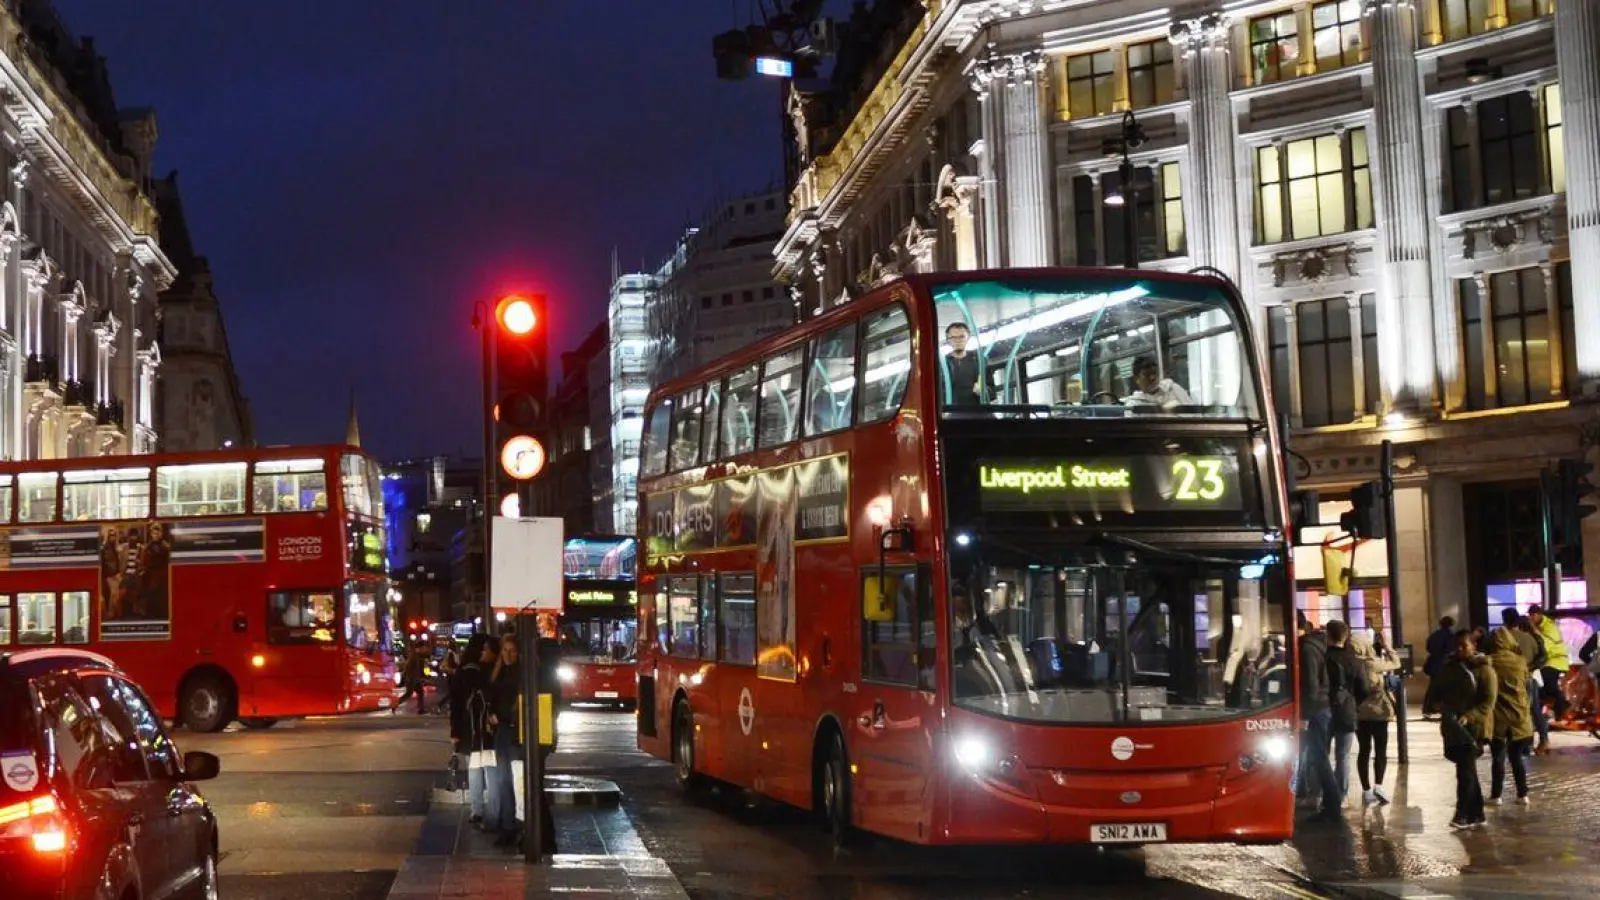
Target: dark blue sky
pixel 359 171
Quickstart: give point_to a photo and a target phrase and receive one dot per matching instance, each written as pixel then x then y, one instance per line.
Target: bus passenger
pixel 1150 389
pixel 961 368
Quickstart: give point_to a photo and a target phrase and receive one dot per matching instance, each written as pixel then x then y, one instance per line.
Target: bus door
pixel 895 708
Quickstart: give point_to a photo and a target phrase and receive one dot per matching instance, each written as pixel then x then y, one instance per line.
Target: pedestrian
pixel 1555 664
pixel 1465 690
pixel 1533 653
pixel 1316 710
pixel 448 667
pixel 1440 645
pixel 411 676
pixel 506 692
pixel 1347 690
pixel 470 719
pixel 1375 714
pixel 1513 717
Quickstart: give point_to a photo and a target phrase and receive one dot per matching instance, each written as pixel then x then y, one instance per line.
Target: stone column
pixel 1208 194
pixel 1577 43
pixel 1011 87
pixel 16 305
pixel 1406 339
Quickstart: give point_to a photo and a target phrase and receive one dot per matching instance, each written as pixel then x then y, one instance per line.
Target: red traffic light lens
pixel 516 315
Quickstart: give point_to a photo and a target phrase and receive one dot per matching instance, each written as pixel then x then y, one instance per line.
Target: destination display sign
pixel 592 595
pixel 1128 484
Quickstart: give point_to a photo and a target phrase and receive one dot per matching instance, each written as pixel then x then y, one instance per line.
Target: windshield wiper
pixel 1138 546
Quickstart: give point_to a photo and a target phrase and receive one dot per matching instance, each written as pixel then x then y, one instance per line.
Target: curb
pixel 560 790
pixel 1338 890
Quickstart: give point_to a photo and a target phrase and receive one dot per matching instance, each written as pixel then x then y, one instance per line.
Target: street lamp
pixel 1126 196
pixel 485 328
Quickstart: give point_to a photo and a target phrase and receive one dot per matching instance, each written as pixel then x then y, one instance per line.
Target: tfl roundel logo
pixel 1122 748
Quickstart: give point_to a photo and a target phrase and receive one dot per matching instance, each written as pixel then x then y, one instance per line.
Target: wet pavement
pixel 322 809
pixel 1550 848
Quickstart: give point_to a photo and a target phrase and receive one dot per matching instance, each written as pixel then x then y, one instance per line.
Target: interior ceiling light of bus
pixel 1090 304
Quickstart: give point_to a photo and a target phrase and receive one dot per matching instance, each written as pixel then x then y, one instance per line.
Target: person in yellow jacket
pixel 1556 658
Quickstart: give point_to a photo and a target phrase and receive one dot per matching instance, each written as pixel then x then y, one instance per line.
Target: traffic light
pixel 521 389
pixel 1365 519
pixel 1572 487
pixel 1304 511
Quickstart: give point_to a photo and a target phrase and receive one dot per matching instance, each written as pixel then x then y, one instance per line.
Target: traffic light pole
pixel 533 783
pixel 1396 619
pixel 481 320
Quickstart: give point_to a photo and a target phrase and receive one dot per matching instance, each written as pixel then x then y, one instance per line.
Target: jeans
pixel 1341 764
pixel 1552 689
pixel 413 688
pixel 480 797
pixel 1517 750
pixel 1318 738
pixel 1469 792
pixel 1541 722
pixel 507 752
pixel 1373 739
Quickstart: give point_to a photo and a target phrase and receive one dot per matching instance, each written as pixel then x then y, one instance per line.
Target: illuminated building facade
pixel 1407 193
pixel 80 264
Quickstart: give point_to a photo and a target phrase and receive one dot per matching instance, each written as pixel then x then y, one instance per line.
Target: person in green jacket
pixel 1465 689
pixel 1513 715
pixel 1556 658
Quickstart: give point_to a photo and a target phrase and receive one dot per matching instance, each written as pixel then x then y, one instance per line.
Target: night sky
pixel 359 171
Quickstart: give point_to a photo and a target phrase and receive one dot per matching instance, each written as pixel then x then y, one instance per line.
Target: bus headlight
pixel 1276 748
pixel 973 752
pixel 566 674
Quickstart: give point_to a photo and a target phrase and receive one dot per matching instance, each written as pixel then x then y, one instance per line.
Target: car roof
pixel 44 660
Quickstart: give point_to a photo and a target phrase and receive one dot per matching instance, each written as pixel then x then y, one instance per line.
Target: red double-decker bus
pixel 599 621
pixel 980 557
pixel 245 584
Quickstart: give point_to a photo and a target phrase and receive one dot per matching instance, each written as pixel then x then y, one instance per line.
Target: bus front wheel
pixel 207 704
pixel 683 748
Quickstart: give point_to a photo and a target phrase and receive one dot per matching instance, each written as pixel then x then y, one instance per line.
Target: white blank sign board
pixel 525 571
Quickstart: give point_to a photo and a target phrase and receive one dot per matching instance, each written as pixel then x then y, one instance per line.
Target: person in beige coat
pixel 1373 718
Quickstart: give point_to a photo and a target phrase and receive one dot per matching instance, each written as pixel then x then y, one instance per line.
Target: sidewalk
pixel 1407 849
pixel 601 855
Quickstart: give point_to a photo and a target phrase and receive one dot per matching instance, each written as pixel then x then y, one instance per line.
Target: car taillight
pixel 39 821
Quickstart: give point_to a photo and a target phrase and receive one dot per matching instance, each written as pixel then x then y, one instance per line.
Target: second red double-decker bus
pixel 246 584
pixel 976 558
pixel 599 621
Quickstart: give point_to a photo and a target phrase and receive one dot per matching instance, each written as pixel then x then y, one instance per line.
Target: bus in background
pixel 244 583
pixel 599 621
pixel 979 558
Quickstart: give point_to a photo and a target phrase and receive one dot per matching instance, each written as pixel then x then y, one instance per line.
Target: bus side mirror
pixel 241 623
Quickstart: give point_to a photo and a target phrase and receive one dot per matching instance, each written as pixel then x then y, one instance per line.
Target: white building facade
pixel 1407 193
pixel 630 380
pixel 80 267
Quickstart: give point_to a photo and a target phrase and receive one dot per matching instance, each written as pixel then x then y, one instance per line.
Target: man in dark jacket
pixel 1347 690
pixel 549 683
pixel 1316 710
pixel 1441 644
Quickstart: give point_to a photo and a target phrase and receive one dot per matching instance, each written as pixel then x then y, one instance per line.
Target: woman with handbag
pixel 469 727
pixel 1465 689
pixel 1374 715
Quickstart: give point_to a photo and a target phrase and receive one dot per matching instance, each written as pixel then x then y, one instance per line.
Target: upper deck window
pixel 95 494
pixel 290 485
pixel 653 459
pixel 5 497
pixel 886 354
pixel 1091 347
pixel 831 382
pixel 363 486
pixel 780 397
pixel 201 489
pixel 686 413
pixel 739 413
pixel 37 502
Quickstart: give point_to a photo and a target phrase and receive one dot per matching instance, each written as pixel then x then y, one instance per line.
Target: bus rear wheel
pixel 258 723
pixel 836 792
pixel 683 749
pixel 206 704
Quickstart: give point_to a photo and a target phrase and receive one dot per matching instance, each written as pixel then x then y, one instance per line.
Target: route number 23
pixel 1198 479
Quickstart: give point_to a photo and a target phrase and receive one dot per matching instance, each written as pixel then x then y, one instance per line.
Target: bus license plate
pixel 1128 833
pixel 606 695
pixel 384 702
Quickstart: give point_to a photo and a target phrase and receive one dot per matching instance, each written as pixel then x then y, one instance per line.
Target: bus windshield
pixel 1091 346
pixel 1163 641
